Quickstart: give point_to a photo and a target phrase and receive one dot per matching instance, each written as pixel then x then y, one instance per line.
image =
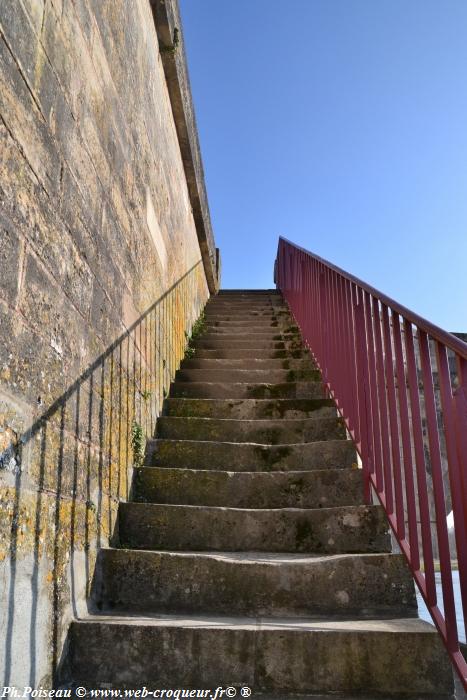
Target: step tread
pixel 336 624
pixel 267 558
pixel 314 488
pixel 243 445
pixel 262 511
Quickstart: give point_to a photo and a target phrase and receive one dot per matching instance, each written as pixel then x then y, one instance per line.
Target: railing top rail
pixel 448 339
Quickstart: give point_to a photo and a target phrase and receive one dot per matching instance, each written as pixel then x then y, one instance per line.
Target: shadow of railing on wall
pixel 77 459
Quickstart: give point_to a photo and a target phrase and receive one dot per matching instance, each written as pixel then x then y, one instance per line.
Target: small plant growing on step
pixel 199 327
pixel 145 395
pixel 137 443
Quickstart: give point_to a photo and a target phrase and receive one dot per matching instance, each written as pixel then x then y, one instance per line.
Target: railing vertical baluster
pixel 438 492
pixel 324 323
pixel 406 446
pixel 376 428
pixel 350 358
pixel 395 446
pixel 424 508
pixel 383 411
pixel 363 395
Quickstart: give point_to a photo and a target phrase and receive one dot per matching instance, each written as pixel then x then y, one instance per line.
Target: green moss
pixel 282 453
pixel 268 391
pixel 272 457
pixel 272 436
pixel 303 533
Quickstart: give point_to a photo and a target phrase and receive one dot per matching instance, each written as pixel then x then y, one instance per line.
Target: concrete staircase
pixel 246 557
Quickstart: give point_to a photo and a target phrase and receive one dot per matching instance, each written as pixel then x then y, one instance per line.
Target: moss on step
pixel 272 457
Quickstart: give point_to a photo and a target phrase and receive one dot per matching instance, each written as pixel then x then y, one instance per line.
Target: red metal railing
pixel 400 383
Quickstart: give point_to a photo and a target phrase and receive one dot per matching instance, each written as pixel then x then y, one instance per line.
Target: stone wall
pixel 101 276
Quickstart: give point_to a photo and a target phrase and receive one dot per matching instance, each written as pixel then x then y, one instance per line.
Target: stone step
pixel 250 409
pixel 252 323
pixel 247 363
pixel 293 489
pixel 255 345
pixel 255 317
pixel 275 333
pixel 247 310
pixel 246 306
pixel 247 299
pixel 251 584
pixel 226 353
pixel 270 335
pixel 232 456
pixel 354 656
pixel 234 374
pixel 243 390
pixel 344 529
pixel 252 327
pixel 265 432
pixel 236 291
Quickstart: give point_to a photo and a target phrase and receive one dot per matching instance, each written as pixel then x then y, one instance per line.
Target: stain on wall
pixel 100 278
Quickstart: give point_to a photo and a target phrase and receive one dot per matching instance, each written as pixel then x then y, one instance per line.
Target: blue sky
pixel 342 125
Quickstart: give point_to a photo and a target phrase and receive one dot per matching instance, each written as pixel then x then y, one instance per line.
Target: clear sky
pixel 342 125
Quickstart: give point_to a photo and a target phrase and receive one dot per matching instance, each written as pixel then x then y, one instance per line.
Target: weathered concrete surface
pixel 271 432
pixel 250 318
pixel 274 304
pixel 219 331
pixel 267 655
pixel 320 530
pixel 96 224
pixel 242 353
pixel 253 323
pixel 255 409
pixel 236 375
pixel 231 456
pixel 218 342
pixel 294 489
pixel 251 584
pixel 244 390
pixel 246 363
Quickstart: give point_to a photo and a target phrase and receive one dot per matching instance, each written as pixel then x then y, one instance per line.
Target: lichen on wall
pixel 101 278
